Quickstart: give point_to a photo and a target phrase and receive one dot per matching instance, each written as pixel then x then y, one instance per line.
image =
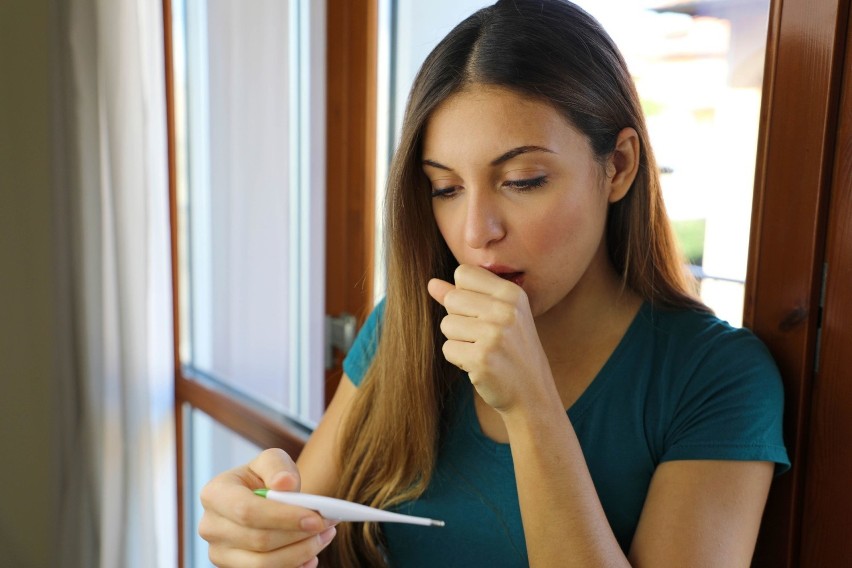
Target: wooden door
pixel 827 514
pixel 798 186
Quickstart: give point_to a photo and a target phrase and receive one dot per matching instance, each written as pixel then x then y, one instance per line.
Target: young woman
pixel 539 375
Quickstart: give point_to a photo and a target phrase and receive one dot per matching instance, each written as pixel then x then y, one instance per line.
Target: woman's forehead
pixel 489 120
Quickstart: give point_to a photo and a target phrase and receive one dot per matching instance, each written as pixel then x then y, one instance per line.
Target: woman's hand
pixel 492 336
pixel 246 530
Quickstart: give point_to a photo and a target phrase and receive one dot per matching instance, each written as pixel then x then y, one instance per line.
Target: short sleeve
pixel 358 360
pixel 731 408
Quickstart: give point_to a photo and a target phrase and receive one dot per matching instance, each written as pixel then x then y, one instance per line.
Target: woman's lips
pixel 506 273
pixel 516 277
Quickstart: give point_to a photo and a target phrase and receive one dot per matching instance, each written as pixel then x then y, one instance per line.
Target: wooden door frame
pixel 802 80
pixel 351 163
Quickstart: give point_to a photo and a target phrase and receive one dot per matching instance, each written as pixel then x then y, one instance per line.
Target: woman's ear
pixel 623 164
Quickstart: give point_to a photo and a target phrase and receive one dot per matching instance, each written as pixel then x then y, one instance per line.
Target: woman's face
pixel 517 190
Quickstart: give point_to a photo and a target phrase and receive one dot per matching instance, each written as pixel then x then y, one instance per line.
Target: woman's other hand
pixel 491 335
pixel 243 529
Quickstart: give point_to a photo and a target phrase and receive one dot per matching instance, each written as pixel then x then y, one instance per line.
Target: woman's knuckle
pixel 216 555
pixel 459 271
pixel 316 546
pixel 480 358
pixel 453 300
pixel 261 541
pixel 507 314
pixel 491 334
pixel 241 513
pixel 205 528
pixel 302 552
pixel 275 453
pixel 208 494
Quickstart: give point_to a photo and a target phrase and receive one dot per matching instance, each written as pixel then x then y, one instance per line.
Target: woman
pixel 531 272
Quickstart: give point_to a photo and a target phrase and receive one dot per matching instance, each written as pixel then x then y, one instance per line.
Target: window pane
pixel 419 28
pixel 698 67
pixel 251 240
pixel 239 171
pixel 212 449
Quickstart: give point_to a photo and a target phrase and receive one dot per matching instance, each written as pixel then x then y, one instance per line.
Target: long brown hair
pixel 555 52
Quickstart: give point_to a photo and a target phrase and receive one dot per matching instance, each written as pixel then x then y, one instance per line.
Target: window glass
pixel 251 260
pixel 214 449
pixel 250 194
pixel 698 67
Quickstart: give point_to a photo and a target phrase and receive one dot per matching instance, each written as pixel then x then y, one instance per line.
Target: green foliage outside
pixel 690 238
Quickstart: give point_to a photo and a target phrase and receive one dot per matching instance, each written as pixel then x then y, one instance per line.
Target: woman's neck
pixel 581 332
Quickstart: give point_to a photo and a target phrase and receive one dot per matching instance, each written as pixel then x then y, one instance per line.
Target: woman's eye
pixel 445 192
pixel 526 184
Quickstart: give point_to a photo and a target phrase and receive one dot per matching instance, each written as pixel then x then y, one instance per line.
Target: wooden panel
pixel 243 420
pixel 351 158
pixel 168 52
pixel 801 89
pixel 827 522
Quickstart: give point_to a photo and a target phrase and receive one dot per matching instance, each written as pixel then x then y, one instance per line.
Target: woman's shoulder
pixel 696 341
pixel 690 327
pixel 721 391
pixel 376 316
pixel 363 350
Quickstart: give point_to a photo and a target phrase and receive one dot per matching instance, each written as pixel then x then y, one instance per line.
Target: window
pixel 248 116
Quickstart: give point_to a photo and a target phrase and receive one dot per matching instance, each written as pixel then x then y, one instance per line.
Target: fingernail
pixel 326 535
pixel 311 524
pixel 278 478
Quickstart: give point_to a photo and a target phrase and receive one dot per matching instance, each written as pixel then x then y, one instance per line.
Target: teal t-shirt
pixel 680 385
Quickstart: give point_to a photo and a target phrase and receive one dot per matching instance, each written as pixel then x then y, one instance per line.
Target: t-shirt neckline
pixel 575 413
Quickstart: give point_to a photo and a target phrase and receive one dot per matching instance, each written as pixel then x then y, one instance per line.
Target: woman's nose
pixel 484 223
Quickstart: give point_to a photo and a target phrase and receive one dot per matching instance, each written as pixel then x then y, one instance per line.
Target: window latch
pixel 339 334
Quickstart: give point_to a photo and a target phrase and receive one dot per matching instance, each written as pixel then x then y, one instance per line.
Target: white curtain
pixel 117 462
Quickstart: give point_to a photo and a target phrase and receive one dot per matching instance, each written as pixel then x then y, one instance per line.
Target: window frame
pixel 350 196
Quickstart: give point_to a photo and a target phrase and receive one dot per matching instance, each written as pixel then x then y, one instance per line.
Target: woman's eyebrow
pixel 435 164
pixel 505 157
pixel 518 151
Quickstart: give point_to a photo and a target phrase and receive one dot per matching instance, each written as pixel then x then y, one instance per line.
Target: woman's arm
pixel 697 513
pixel 318 461
pixel 564 522
pixel 702 513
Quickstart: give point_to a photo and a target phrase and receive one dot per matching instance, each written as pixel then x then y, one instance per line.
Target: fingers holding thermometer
pixel 243 530
pixel 491 335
